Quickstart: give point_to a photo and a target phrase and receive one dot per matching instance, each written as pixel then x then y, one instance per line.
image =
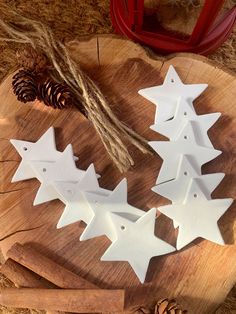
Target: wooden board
pixel 201 274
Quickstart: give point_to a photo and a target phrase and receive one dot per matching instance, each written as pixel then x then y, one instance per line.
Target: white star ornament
pixel 197 216
pixel 116 202
pixel 63 169
pixel 166 96
pixel 171 151
pixel 42 150
pixel 175 190
pixel 185 113
pixel 72 195
pixel 136 243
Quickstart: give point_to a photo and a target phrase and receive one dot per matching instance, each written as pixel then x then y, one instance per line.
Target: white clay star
pixel 197 216
pixel 171 151
pixel 136 243
pixel 72 195
pixel 47 173
pixel 166 96
pixel 175 190
pixel 42 150
pixel 102 207
pixel 185 113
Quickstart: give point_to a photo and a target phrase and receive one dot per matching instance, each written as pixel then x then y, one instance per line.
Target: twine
pixel 112 132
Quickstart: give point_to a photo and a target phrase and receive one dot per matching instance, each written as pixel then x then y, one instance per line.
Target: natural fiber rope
pixel 112 132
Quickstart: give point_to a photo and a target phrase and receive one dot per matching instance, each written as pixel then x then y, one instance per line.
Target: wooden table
pixel 201 274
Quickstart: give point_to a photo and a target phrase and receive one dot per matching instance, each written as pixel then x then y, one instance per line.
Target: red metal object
pixel 208 34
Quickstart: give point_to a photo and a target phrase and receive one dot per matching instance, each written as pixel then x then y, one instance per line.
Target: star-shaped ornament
pixel 171 151
pixel 136 242
pixel 185 113
pixel 63 169
pixel 43 150
pixel 175 190
pixel 166 96
pixel 116 202
pixel 72 195
pixel 197 216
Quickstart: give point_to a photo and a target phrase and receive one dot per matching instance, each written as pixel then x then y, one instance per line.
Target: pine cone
pixel 32 60
pixel 141 310
pixel 166 306
pixel 24 86
pixel 54 94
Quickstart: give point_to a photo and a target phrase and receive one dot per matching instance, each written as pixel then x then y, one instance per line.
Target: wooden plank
pixel 201 274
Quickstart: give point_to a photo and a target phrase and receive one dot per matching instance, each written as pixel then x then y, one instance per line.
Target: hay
pixel 69 19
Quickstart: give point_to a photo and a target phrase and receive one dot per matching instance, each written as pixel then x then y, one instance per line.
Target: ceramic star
pixel 72 195
pixel 49 172
pixel 197 216
pixel 175 190
pixel 44 150
pixel 136 243
pixel 167 95
pixel 171 151
pixel 185 113
pixel 102 207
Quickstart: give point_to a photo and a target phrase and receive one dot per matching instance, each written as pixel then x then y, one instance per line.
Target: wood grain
pixel 69 300
pixel 201 274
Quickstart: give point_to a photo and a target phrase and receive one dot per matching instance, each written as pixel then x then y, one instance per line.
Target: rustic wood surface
pixel 201 274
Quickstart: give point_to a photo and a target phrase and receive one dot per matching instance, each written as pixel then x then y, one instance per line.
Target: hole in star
pixel 185 173
pixel 195 195
pixel 185 137
pixel 185 113
pixel 122 227
pixel 44 169
pixel 25 148
pixel 69 191
pixel 172 80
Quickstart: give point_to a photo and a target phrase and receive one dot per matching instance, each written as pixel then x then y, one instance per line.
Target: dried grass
pixel 72 18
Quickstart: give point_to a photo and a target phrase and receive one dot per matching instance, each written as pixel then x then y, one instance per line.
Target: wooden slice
pixel 201 274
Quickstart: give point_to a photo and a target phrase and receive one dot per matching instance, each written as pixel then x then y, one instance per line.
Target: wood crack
pixel 19 231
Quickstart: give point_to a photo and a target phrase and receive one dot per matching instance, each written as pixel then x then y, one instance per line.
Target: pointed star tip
pixel 230 200
pixel 153 127
pixel 36 202
pixel 102 259
pixel 13 180
pixel 154 189
pixel 141 279
pixel 84 237
pixel 59 225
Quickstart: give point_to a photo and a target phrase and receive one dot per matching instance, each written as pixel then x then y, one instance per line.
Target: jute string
pixel 112 132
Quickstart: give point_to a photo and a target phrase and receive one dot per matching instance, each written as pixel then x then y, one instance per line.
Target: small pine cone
pixel 141 310
pixel 166 306
pixel 24 86
pixel 54 94
pixel 32 60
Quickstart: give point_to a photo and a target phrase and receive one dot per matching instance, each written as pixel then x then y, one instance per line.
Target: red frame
pixel 127 18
